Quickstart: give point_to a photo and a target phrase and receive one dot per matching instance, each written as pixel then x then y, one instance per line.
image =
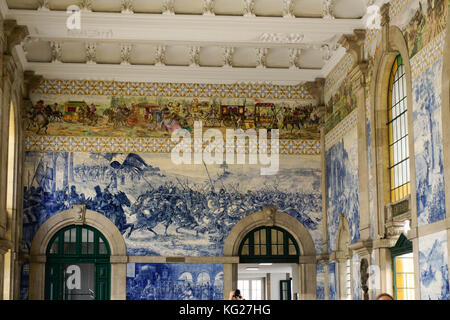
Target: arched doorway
pixel 271 255
pixel 303 262
pixel 83 218
pixel 78 265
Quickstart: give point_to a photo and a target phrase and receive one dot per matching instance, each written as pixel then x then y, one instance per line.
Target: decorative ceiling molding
pixel 282 49
pixel 173 74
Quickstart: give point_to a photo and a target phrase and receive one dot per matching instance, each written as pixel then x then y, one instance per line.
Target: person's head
pixel 237 293
pixel 384 296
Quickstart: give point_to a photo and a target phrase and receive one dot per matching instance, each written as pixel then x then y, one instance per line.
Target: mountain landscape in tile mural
pixel 166 209
pixel 158 281
pixel 428 145
pixel 342 187
pixel 114 116
pixel 433 267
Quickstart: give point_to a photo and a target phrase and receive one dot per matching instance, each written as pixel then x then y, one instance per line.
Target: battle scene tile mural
pixel 164 209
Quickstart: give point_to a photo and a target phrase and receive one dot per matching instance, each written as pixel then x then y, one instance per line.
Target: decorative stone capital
pixel 194 56
pixel 228 57
pixel 362 247
pixel 208 7
pixel 168 7
pixel 91 53
pixel 160 55
pixel 86 5
pixel 249 8
pixel 261 54
pixel 43 5
pixel 294 53
pixel 127 6
pixel 327 9
pixel 316 89
pixel 56 48
pixel 14 35
pixel 125 54
pixel 354 44
pixel 288 9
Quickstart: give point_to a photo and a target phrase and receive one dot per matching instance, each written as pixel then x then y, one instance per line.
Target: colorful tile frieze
pixel 336 134
pixel 428 56
pixel 147 89
pixel 141 145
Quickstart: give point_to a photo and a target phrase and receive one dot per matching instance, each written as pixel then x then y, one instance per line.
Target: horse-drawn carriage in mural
pixel 72 110
pixel 232 115
pixel 146 113
pixel 264 115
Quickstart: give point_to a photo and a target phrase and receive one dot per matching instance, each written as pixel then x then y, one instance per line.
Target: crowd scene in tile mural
pixel 159 117
pixel 173 208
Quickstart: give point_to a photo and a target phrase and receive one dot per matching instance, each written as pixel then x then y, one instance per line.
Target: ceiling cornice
pixel 172 74
pixel 156 27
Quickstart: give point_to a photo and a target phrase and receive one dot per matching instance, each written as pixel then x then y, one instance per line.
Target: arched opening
pixel 392 97
pixel 267 257
pixel 78 265
pixel 10 203
pixel 292 254
pixel 82 219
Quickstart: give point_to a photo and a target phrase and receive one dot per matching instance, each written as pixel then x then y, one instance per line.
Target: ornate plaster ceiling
pixel 219 41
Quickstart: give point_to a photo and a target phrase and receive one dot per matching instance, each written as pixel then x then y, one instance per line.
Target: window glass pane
pixel 70 241
pixel 398 129
pixel 54 247
pixel 256 237
pixel 102 247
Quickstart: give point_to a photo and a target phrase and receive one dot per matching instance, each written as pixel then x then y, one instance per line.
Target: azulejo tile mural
pixel 120 116
pixel 332 280
pixel 428 145
pixel 421 21
pixel 342 187
pixel 163 209
pixel 433 266
pixel 123 109
pixel 320 288
pixel 178 281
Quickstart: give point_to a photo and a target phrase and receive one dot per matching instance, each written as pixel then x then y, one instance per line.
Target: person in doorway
pixel 236 295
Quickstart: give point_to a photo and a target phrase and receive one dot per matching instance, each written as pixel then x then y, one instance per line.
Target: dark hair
pixel 237 293
pixel 384 295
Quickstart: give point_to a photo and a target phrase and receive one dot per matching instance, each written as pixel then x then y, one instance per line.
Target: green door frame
pixel 56 257
pixel 402 246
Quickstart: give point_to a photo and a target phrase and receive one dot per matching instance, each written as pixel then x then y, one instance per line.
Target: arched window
pixel 399 168
pixel 269 244
pixel 77 266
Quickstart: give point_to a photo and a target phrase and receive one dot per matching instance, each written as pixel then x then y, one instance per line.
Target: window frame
pixel 402 247
pixel 251 257
pixel 399 166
